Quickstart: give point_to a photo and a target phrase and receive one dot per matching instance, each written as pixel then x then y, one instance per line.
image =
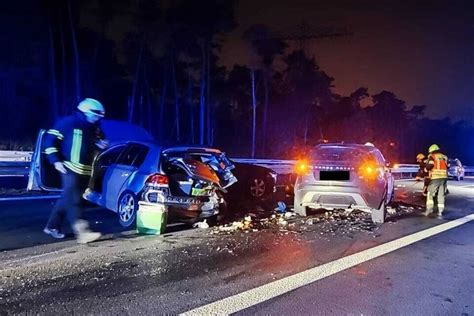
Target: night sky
pixel 422 52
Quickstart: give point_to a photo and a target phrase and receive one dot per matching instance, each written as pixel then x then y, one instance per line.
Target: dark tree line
pixel 157 65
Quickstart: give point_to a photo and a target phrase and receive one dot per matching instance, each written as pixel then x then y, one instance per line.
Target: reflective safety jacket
pixel 73 141
pixel 437 166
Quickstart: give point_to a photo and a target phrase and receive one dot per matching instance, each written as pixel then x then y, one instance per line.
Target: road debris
pixel 281 207
pixel 202 225
pixel 342 222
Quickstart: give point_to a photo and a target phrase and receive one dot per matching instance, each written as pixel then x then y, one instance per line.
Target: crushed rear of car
pixel 191 181
pixel 188 180
pixel 344 176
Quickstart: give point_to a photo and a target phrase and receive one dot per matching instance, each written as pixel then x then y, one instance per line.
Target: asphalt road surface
pixel 326 264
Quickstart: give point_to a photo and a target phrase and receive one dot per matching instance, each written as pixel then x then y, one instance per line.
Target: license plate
pixel 200 192
pixel 334 175
pixel 172 199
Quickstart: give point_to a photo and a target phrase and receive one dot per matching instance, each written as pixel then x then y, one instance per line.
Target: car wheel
pixel 257 188
pixel 127 208
pixel 379 215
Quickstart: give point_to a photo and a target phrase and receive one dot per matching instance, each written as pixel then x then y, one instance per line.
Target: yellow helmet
pixel 432 148
pixel 420 157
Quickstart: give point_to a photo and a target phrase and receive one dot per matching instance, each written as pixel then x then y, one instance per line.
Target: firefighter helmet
pixel 420 157
pixel 432 148
pixel 90 106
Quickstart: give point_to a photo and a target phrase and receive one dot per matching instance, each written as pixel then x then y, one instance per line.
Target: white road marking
pixel 12 175
pixel 31 258
pixel 25 198
pixel 271 290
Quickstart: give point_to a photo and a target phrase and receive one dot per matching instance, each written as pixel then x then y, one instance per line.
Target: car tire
pixel 379 215
pixel 257 188
pixel 127 208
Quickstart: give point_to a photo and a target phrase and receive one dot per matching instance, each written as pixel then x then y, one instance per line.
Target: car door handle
pixel 125 174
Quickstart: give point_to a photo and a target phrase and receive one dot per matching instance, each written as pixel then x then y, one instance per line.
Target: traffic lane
pixel 431 277
pixel 23 222
pixel 177 272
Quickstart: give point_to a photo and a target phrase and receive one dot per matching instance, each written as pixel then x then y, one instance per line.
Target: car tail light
pixel 157 180
pixel 369 171
pixel 302 167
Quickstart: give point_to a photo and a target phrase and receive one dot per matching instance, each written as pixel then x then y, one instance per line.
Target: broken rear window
pixel 339 153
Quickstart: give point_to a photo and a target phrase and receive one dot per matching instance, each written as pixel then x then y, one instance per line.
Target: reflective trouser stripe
pixel 76 146
pixel 429 201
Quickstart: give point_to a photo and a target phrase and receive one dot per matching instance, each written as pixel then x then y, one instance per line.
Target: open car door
pixel 42 175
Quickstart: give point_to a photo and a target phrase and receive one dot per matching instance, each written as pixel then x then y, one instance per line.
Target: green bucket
pixel 151 218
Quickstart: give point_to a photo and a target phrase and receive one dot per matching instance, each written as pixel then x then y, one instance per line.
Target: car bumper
pixel 186 207
pixel 333 197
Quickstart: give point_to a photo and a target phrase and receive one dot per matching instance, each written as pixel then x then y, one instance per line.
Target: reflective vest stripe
pixel 76 146
pixel 85 170
pixel 80 166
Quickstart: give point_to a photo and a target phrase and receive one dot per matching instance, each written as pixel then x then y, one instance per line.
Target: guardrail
pixel 15 156
pixel 400 171
pixel 18 162
pixel 279 166
pixel 14 168
pixel 404 171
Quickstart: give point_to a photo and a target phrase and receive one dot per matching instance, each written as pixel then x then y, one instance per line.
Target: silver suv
pixel 344 176
pixel 456 169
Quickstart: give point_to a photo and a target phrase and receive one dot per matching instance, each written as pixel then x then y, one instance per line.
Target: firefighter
pixel 437 166
pixel 71 146
pixel 422 173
